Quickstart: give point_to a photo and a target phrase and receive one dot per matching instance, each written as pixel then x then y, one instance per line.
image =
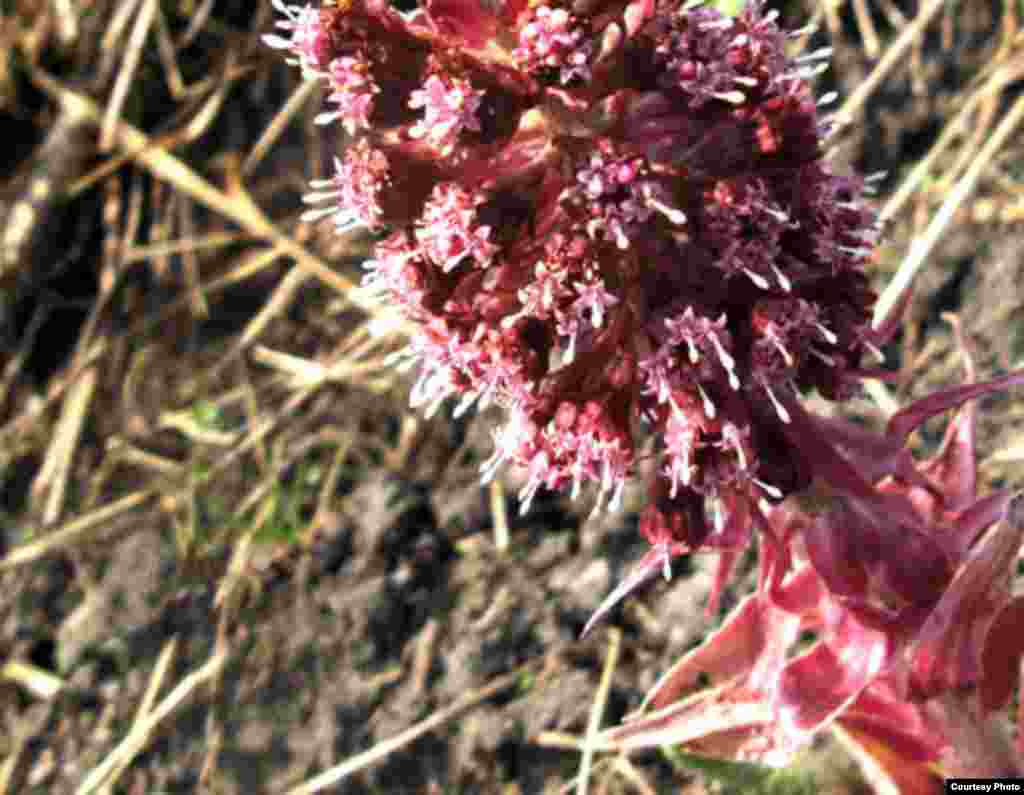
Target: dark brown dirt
pixel 388 602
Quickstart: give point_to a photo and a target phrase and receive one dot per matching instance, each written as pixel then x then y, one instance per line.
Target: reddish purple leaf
pixel 905 421
pixel 726 722
pixel 815 688
pixel 1001 656
pixel 734 650
pixel 950 644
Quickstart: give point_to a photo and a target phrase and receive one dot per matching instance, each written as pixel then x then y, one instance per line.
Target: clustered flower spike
pixel 613 219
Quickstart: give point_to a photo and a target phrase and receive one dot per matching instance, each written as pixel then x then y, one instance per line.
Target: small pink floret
pixel 307 41
pixel 352 90
pixel 449 232
pixel 553 40
pixel 450 106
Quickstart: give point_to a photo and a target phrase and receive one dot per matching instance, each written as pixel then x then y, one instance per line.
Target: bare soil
pixel 226 567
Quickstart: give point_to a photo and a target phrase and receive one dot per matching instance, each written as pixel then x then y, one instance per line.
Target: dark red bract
pixel 904 579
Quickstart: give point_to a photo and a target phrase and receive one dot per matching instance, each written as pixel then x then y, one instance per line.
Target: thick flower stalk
pixel 614 220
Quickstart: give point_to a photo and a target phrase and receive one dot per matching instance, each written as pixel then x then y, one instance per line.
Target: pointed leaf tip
pixel 908 419
pixel 656 559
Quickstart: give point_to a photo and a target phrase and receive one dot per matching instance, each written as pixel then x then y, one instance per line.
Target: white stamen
pixel 570 353
pixel 526 496
pixel 804 72
pixel 737 444
pixel 780 410
pixel 709 407
pixel 774 493
pixel 279 43
pixel 718 514
pixel 857 252
pixel 663 391
pixel 677 217
pixel 686 471
pixel 694 353
pixel 666 565
pixel 687 467
pixel 784 281
pixel 719 24
pixel 529 491
pixel 775 213
pixel 327 117
pixel 816 55
pixel 757 279
pixel 318 196
pixel 615 505
pixel 823 357
pixel 465 404
pixel 732 97
pixel 806 30
pixel 830 338
pixel 786 355
pixel 810 72
pixel 828 99
pixel 727 361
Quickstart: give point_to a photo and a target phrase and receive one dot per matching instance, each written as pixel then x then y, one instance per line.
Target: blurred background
pixel 232 559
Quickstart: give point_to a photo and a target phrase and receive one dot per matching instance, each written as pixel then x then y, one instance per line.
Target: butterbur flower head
pixel 614 220
pixel 352 91
pixel 309 41
pixel 552 41
pixel 450 105
pixel 449 230
pixel 352 196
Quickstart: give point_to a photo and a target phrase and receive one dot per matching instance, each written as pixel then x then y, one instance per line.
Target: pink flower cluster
pixel 613 219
